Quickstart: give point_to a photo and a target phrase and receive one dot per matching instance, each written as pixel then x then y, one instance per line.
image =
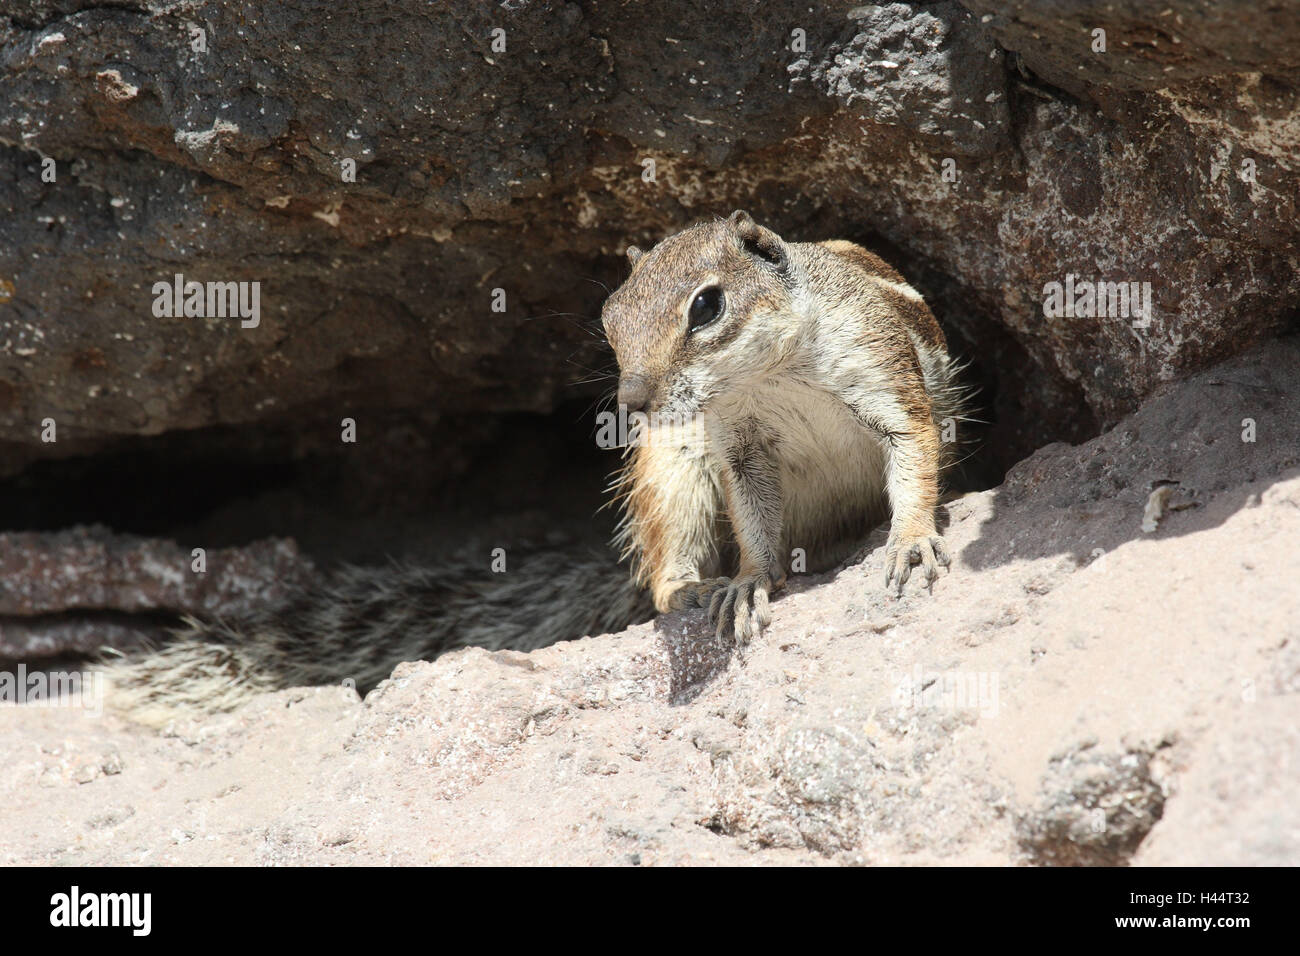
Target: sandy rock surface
pixel 1074 691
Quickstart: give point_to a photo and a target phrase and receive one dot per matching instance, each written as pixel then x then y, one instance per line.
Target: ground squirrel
pixel 792 393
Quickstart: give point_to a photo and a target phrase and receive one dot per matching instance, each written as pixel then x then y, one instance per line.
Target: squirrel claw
pixel 743 604
pixel 693 594
pixel 928 551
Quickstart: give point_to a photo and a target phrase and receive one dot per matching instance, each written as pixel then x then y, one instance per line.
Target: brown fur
pixel 811 404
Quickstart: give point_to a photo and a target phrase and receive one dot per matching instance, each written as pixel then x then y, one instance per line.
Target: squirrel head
pixel 701 311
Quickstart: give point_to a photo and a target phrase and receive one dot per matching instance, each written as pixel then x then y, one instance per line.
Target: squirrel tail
pixel 951 402
pixel 356 624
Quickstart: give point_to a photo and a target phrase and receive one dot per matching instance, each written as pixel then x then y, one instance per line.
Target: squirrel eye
pixel 705 308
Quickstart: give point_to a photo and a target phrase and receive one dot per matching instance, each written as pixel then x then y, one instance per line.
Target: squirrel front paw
pixel 901 553
pixel 693 594
pixel 742 604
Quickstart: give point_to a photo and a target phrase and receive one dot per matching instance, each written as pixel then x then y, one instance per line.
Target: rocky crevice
pixel 989 150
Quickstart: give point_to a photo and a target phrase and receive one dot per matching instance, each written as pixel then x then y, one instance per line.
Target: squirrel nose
pixel 634 392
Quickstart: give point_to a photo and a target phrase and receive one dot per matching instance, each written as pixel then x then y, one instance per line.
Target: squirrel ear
pixel 742 220
pixel 633 254
pixel 759 242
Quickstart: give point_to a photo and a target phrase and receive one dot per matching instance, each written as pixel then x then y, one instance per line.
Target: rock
pixel 94 569
pixel 72 592
pixel 1095 809
pixel 1074 691
pixel 78 635
pixel 931 70
pixel 1226 811
pixel 990 152
pixel 1145 47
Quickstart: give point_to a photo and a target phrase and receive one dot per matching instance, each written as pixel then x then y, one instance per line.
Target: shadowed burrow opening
pixel 411 483
pixel 452 476
pixel 414 485
pixel 413 474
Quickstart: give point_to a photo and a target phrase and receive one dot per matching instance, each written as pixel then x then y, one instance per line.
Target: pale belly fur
pixel 832 469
